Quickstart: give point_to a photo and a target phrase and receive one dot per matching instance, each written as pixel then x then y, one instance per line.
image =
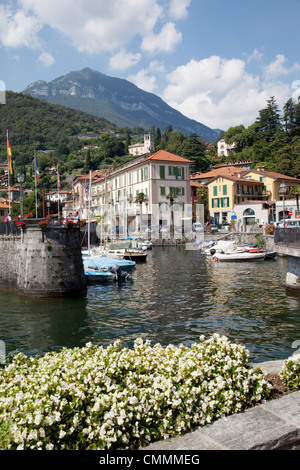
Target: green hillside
pixel 36 124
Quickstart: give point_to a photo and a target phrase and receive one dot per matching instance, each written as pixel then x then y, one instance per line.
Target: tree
pixel 140 199
pixel 193 148
pixel 268 122
pixel 202 198
pixel 289 117
pixel 171 197
pixel 87 162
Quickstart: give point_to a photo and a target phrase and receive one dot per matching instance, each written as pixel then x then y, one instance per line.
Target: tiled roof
pixel 237 179
pixel 273 175
pixel 228 171
pixel 163 155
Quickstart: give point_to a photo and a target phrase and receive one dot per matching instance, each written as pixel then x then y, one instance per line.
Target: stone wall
pixel 43 263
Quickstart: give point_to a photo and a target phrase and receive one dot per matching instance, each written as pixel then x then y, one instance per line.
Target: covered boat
pixel 240 256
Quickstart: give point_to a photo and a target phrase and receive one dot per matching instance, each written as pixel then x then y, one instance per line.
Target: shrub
pixel 290 372
pixel 119 398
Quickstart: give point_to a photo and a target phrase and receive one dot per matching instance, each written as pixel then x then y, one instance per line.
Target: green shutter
pixel 222 202
pixel 225 190
pixel 162 172
pixel 182 191
pixel 176 172
pixel 170 171
pixel 182 173
pixel 162 191
pixel 215 190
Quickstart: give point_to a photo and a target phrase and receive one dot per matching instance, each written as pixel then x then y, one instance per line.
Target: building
pixel 224 150
pixel 142 148
pixel 271 182
pixel 157 176
pixel 226 191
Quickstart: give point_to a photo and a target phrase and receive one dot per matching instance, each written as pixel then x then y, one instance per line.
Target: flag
pixel 58 180
pixel 9 157
pixel 37 170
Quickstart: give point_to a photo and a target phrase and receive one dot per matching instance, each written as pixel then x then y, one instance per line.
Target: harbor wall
pixel 43 263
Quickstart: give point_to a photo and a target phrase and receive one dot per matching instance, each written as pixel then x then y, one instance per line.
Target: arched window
pixel 249 213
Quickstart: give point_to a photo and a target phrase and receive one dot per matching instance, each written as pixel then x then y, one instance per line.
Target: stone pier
pixel 43 263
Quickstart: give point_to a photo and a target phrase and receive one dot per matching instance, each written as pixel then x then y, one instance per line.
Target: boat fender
pixel 212 251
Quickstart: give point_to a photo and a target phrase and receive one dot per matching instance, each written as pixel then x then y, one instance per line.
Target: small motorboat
pixel 96 275
pixel 135 254
pixel 239 256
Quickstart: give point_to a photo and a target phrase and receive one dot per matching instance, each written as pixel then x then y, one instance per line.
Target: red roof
pixel 163 155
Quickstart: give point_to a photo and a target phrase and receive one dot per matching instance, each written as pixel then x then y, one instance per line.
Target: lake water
pixel 174 297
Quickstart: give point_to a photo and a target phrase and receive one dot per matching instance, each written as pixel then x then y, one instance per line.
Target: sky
pixel 215 61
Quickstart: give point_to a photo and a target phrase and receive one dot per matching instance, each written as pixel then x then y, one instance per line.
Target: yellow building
pixel 271 183
pixel 225 191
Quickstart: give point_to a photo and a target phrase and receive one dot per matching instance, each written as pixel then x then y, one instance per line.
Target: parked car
pixel 198 227
pixel 213 228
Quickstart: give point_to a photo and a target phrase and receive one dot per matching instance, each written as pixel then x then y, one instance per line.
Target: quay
pixel 272 425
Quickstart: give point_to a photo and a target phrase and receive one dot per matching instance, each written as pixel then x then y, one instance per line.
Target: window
pixel 162 191
pixel 225 190
pixel 215 190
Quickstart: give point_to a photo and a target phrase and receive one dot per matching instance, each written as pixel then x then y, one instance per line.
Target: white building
pixel 225 149
pixel 141 148
pixel 156 176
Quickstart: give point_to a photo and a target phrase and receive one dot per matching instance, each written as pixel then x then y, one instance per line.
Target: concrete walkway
pixel 272 425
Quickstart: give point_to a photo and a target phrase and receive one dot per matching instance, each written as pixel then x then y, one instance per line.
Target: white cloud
pixel 165 41
pixel 179 9
pixel 18 29
pixel 220 92
pixel 95 26
pixel 143 80
pixel 46 59
pixel 277 67
pixel 123 60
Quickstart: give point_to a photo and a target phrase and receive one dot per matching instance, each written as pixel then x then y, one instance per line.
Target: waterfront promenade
pixel 273 425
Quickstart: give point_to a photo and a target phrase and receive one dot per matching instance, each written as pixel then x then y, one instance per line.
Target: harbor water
pixel 174 297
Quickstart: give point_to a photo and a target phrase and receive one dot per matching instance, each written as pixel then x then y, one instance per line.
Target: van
pixel 197 227
pixel 289 223
pixel 292 223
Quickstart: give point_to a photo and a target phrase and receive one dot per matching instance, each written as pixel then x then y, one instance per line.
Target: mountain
pixel 116 100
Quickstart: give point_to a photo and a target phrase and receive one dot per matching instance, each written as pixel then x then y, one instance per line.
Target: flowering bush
pixel 290 372
pixel 28 216
pixel 119 398
pixel 69 224
pixel 82 222
pixel 269 229
pixel 21 224
pixel 43 224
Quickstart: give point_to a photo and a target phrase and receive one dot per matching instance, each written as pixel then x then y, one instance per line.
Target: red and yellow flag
pixel 9 157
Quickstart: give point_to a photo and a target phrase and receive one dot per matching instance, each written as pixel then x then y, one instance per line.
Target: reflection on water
pixel 175 297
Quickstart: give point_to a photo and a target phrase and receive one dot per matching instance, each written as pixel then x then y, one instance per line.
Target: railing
pixel 34 223
pixel 287 236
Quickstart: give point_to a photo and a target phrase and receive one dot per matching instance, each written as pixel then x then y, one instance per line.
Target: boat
pixel 105 263
pixel 144 245
pixel 96 277
pixel 239 256
pixel 135 254
pixel 271 255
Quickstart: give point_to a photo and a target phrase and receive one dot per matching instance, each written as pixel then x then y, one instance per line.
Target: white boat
pixel 239 256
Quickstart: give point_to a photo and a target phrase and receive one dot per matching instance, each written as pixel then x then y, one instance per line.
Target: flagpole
pixel 58 184
pixel 36 214
pixel 8 168
pixel 89 219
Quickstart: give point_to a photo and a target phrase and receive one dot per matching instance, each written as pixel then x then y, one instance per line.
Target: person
pixel 7 222
pixel 76 218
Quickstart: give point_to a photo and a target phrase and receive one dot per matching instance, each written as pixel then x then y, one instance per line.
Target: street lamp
pixel 282 191
pixel 48 206
pixel 21 179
